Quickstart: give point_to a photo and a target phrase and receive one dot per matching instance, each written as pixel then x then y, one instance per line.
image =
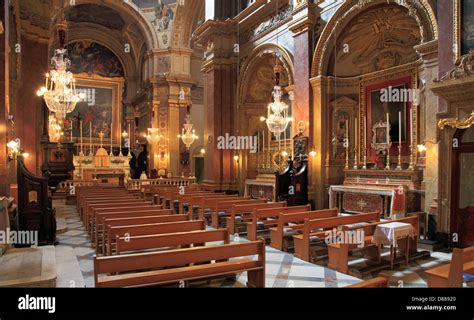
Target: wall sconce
pixel 422 150
pixel 236 158
pixel 14 147
pixel 312 153
pixel 203 151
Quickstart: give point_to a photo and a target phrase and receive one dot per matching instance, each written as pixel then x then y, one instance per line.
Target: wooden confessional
pixel 35 211
pixel 292 184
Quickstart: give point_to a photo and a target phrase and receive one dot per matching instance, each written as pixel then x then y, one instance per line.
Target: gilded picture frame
pixel 461 29
pixel 102 106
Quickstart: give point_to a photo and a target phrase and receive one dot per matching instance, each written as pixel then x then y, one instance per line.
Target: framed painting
pixel 99 111
pixel 389 97
pixel 463 28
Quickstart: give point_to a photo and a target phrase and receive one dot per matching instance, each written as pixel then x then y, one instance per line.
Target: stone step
pixel 29 268
pixel 69 271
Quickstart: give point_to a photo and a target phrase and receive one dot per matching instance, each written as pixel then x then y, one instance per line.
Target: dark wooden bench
pixel 221 208
pixel 244 211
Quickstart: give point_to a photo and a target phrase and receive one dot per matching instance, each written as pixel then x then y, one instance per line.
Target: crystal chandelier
pixel 188 135
pixel 153 137
pixel 60 92
pixel 277 119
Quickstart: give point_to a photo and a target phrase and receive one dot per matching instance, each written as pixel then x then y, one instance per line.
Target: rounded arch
pixel 132 12
pixel 253 59
pixel 187 17
pixel 103 38
pixel 419 9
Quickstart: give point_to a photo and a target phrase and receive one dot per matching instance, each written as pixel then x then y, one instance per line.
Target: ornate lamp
pixel 277 119
pixel 153 137
pixel 60 92
pixel 188 135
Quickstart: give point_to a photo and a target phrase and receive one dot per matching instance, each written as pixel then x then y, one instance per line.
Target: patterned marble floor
pixel 282 269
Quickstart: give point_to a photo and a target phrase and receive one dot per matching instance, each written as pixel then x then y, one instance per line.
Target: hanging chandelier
pixel 188 135
pixel 60 92
pixel 153 137
pixel 277 119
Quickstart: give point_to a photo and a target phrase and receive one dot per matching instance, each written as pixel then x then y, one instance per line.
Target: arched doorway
pixel 462 189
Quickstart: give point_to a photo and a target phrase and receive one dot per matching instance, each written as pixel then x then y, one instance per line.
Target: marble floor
pixel 74 257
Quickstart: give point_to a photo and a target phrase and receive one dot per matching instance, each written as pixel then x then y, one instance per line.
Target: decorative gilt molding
pixel 463 69
pixel 454 123
pixel 419 9
pixel 457 31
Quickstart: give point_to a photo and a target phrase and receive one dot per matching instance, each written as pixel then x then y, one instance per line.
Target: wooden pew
pixel 303 241
pixel 113 206
pixel 244 210
pixel 172 266
pixel 168 240
pixel 278 234
pixel 148 229
pixel 82 201
pixel 451 275
pixel 203 203
pixel 184 198
pixel 380 282
pixel 338 253
pixel 269 218
pixel 102 217
pixel 221 207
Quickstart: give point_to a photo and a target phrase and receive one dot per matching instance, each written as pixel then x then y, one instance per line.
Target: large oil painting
pixel 467 26
pixel 100 109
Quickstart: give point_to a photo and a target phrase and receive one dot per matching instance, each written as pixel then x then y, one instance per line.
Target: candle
pixel 411 127
pixel 90 137
pixel 347 135
pixel 129 135
pixel 388 129
pixel 400 128
pixel 111 136
pixel 356 135
pixel 81 137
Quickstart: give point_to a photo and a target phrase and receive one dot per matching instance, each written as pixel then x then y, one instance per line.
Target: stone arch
pixel 130 11
pixel 419 9
pixel 187 17
pixel 253 59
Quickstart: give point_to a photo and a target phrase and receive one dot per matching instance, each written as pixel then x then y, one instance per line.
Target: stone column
pixel 319 139
pixel 4 105
pixel 220 70
pixel 429 72
pixel 301 26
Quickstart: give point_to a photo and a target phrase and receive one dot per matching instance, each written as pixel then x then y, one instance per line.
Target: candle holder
pixel 356 160
pixel 387 167
pixel 347 159
pixel 399 165
pixel 412 158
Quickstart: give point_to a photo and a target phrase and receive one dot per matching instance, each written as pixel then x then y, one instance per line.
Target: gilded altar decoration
pixel 454 123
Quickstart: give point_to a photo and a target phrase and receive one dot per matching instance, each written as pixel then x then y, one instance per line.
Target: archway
pixel 256 84
pixel 362 50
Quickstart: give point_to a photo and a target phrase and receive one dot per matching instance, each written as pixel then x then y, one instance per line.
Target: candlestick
pixel 346 142
pixel 389 145
pixel 364 167
pixel 82 142
pixel 90 140
pixel 120 139
pixel 112 139
pixel 356 135
pixel 412 147
pixel 399 165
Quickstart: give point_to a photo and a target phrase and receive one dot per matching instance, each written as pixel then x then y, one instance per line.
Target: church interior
pixel 230 144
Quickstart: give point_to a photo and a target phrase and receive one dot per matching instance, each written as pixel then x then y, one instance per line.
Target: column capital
pixel 428 50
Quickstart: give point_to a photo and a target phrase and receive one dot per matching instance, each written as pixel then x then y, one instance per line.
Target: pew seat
pixel 451 275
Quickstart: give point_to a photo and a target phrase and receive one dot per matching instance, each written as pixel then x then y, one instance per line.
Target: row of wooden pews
pixel 141 243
